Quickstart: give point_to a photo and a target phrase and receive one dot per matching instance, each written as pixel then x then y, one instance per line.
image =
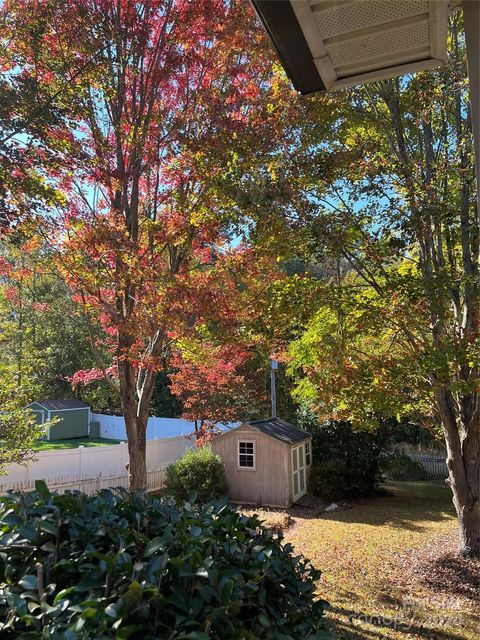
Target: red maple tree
pixel 161 101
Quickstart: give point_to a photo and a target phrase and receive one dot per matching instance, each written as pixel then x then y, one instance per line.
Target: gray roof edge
pixel 48 405
pixel 37 402
pixel 252 424
pixel 288 424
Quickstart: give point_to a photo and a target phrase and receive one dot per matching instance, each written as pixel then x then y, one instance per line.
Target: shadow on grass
pixel 404 505
pixel 356 628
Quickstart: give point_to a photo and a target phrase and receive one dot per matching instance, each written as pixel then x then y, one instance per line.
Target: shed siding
pixel 269 483
pixel 73 424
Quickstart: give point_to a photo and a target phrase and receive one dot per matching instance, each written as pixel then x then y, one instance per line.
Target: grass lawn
pixel 381 569
pixel 73 443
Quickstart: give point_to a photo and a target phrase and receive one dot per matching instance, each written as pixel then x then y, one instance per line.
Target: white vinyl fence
pixel 113 427
pixel 435 466
pixel 90 469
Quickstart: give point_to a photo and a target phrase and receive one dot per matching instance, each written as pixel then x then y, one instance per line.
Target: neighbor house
pixel 73 418
pixel 267 462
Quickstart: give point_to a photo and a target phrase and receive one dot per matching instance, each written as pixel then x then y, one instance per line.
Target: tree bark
pixel 137 450
pixel 463 462
pixel 469 524
pixel 136 390
pixel 465 489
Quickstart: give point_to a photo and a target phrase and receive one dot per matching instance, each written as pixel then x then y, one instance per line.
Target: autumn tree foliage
pixel 219 383
pixel 21 363
pixel 160 99
pixel 31 122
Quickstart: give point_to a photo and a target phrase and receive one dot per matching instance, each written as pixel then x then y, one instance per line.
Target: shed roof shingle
pixel 58 405
pixel 280 430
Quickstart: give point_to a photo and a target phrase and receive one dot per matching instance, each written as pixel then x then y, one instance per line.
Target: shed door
pixel 299 472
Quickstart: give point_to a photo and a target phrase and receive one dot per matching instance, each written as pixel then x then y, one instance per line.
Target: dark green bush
pixel 200 472
pixel 120 565
pixel 355 454
pixel 399 466
pixel 329 479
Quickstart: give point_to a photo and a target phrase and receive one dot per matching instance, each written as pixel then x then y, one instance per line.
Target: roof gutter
pixel 282 26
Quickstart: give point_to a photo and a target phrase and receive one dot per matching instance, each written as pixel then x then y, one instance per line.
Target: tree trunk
pixel 136 389
pixel 469 524
pixel 137 451
pixel 463 462
pixel 467 505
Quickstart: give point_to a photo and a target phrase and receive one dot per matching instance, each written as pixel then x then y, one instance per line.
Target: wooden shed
pixel 267 462
pixel 73 415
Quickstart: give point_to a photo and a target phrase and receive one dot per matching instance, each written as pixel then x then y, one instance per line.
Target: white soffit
pixel 356 41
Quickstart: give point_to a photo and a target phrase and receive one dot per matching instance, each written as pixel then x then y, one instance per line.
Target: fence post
pixel 99 481
pixel 123 454
pixel 80 456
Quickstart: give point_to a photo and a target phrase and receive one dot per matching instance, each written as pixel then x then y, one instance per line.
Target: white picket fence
pixel 89 485
pixel 90 469
pixel 435 466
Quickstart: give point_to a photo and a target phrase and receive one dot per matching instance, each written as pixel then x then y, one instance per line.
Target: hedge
pixel 121 565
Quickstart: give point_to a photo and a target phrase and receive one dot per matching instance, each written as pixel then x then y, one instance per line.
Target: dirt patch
pixel 271 518
pixel 283 519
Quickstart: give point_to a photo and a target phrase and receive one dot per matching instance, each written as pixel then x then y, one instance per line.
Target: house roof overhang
pixel 334 44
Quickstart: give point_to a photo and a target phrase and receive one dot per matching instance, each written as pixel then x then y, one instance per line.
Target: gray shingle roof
pixel 280 430
pixel 58 405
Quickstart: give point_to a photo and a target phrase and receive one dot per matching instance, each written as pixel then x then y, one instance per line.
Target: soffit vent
pixel 353 41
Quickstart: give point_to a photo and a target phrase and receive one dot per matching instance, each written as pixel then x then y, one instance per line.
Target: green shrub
pixel 399 466
pixel 121 565
pixel 329 479
pixel 354 454
pixel 198 472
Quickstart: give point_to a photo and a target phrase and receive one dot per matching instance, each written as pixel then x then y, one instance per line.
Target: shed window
pixel 308 457
pixel 246 454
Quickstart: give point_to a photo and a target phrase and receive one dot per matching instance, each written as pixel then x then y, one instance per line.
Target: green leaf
pixel 111 611
pixel 263 620
pixel 48 527
pixel 226 592
pixel 156 566
pixel 29 583
pixel 42 488
pixel 17 603
pixel 157 544
pixel 201 572
pixel 126 632
pixel 28 532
